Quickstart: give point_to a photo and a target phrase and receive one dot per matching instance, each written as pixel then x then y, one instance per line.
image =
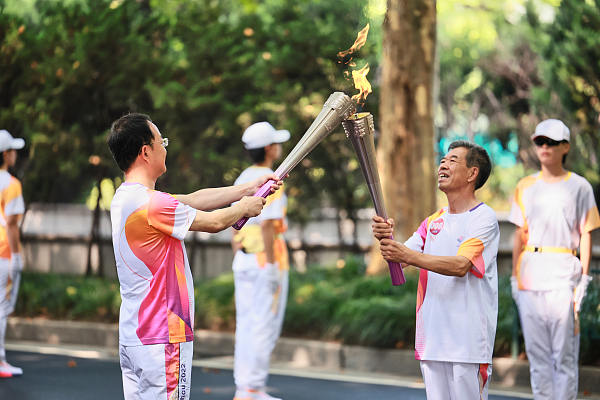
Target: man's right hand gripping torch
pixel 359 129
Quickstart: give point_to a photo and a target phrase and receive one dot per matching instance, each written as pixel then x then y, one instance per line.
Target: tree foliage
pixel 206 69
pixel 203 70
pixel 572 53
pixel 505 66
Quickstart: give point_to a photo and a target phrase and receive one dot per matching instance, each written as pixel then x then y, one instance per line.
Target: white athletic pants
pixel 260 307
pixel 9 289
pixel 456 381
pixel 157 371
pixel 552 347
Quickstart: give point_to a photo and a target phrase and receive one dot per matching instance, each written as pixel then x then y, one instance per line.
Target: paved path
pixel 55 373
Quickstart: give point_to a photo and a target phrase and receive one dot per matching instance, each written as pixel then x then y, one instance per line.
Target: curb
pixel 296 353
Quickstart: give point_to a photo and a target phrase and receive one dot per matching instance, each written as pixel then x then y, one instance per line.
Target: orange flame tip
pixel 360 41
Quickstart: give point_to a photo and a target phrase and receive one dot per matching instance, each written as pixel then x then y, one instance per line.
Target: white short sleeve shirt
pixel 11 203
pixel 157 293
pixel 457 316
pixel 552 215
pixel 250 236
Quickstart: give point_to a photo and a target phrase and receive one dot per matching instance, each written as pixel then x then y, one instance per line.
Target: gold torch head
pixel 359 125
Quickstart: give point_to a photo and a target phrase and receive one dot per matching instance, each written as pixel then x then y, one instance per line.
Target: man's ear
pixel 144 152
pixel 472 174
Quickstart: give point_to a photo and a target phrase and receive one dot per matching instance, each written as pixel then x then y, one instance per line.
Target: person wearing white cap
pixel 260 269
pixel 12 208
pixel 554 211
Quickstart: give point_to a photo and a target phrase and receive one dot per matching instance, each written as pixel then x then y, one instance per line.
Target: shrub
pixel 68 297
pixel 324 303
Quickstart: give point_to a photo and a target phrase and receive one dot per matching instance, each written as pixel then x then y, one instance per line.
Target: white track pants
pixel 260 307
pixel 548 324
pixel 456 381
pixel 9 289
pixel 157 371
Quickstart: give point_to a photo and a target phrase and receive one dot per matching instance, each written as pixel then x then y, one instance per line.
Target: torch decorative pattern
pixel 337 108
pixel 359 129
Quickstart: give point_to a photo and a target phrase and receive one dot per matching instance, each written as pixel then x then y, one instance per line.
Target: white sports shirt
pixel 250 236
pixel 553 215
pixel 11 203
pixel 157 291
pixel 456 316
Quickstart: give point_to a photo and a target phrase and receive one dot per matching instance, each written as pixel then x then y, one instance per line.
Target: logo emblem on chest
pixel 436 226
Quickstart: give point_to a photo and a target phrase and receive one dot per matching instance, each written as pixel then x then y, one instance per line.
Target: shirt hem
pixel 161 340
pixel 457 360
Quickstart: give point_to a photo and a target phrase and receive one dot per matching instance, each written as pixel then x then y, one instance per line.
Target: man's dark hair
pixel 257 155
pixel 476 157
pixel 127 136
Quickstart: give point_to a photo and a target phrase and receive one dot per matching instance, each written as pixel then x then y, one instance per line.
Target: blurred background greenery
pixel 205 69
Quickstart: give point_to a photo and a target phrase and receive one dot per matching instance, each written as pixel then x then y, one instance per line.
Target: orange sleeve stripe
pixel 12 191
pixel 472 249
pixel 592 220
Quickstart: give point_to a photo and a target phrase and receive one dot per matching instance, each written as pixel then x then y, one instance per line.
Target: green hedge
pixel 68 297
pixel 323 303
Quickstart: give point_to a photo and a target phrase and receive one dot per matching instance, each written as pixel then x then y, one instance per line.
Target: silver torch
pixel 359 129
pixel 337 108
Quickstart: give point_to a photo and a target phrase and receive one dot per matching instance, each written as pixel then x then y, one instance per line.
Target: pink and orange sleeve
pixel 472 249
pixel 169 215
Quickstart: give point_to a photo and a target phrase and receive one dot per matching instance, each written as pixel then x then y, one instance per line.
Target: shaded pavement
pixel 97 376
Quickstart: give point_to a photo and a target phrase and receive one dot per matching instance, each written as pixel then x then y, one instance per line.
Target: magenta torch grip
pixel 264 191
pixel 396 272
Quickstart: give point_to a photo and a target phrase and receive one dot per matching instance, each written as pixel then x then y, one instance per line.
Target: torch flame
pixel 360 41
pixel 358 76
pixel 361 83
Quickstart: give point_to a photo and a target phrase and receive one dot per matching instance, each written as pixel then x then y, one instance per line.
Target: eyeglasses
pixel 164 142
pixel 543 140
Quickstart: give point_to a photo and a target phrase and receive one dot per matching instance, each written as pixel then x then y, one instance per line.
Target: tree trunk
pixel 405 150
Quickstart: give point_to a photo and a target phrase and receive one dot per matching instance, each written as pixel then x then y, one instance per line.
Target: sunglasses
pixel 542 140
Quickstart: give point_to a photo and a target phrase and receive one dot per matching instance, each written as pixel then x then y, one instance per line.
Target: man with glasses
pixel 156 319
pixel 555 211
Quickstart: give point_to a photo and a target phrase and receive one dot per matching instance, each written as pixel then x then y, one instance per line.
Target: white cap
pixel 553 129
pixel 262 134
pixel 7 142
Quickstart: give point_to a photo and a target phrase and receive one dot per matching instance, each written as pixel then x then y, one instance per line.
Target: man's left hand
pixel 256 184
pixel 394 251
pixel 382 228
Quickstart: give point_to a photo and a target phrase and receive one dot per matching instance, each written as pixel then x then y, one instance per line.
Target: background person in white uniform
pixel 12 208
pixel 554 211
pixel 260 269
pixel 457 297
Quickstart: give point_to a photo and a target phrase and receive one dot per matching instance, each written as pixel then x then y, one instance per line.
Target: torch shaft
pixel 337 108
pixel 360 132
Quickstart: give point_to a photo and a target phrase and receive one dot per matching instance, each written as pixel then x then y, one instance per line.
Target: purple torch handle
pixel 264 191
pixel 396 272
